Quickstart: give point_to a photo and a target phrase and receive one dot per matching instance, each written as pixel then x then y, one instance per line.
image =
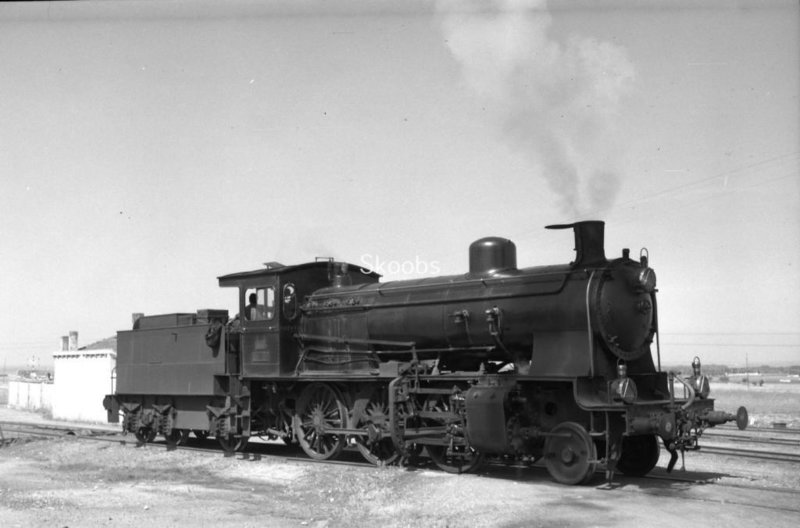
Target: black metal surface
pixel 493 361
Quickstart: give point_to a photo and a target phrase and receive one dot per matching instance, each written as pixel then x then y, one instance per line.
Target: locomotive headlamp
pixel 623 388
pixel 647 279
pixel 700 383
pixel 702 387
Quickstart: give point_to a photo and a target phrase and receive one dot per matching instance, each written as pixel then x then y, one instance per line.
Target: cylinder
pixel 73 340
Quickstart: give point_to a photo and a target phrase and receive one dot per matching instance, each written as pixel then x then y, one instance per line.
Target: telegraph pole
pixel 747 370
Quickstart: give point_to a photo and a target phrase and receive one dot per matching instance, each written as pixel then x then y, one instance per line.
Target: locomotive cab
pixel 263 336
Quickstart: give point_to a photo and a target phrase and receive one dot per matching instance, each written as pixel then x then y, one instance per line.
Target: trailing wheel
pixel 375 447
pixel 570 454
pixel 639 455
pixel 320 411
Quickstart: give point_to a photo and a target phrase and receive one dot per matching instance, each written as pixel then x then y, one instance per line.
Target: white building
pixel 30 395
pixel 82 377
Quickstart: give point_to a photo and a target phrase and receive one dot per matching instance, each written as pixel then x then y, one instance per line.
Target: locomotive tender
pixel 549 362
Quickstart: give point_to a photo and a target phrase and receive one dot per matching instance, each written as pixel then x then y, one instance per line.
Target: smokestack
pixel 73 340
pixel 64 343
pixel 589 242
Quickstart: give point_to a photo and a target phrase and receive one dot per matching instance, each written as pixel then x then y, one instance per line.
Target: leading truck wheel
pixel 320 412
pixel 569 454
pixel 639 455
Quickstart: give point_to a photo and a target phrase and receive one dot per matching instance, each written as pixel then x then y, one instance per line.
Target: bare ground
pixel 77 483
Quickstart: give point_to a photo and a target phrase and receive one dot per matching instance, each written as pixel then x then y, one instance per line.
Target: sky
pixel 147 148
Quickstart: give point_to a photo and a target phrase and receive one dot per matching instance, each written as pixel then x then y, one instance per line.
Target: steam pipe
pixel 658 338
pixel 589 324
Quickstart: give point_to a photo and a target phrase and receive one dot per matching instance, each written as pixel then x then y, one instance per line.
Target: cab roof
pixel 271 269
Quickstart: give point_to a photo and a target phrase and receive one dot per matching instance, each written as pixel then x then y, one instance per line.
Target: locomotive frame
pixel 549 362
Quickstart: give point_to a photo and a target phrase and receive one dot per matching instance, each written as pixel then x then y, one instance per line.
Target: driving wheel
pixel 320 411
pixel 376 447
pixel 455 457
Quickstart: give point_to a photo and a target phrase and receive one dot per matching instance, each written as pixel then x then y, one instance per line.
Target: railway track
pixel 11 432
pixel 793 458
pixel 751 429
pixel 768 435
pixel 772 440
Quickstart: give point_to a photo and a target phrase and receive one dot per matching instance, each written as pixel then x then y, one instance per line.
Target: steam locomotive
pixel 549 363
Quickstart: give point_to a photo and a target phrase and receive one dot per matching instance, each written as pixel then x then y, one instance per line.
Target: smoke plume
pixel 554 101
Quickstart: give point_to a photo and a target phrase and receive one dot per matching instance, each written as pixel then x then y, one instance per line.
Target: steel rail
pixel 791 442
pixel 783 431
pixel 752 453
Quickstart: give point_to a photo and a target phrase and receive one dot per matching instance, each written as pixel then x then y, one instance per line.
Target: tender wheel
pixel 177 437
pixel 570 455
pixel 145 435
pixel 374 418
pixel 231 444
pixel 639 455
pixel 320 410
pixel 200 434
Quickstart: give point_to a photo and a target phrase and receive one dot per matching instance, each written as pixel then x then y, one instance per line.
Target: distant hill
pixel 719 370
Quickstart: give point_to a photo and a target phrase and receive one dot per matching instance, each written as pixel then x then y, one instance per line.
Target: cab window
pixel 259 304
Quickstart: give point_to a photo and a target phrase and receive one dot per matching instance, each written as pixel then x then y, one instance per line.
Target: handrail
pixel 688 386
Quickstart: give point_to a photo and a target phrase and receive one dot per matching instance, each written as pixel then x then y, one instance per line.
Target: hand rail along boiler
pixel 552 363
